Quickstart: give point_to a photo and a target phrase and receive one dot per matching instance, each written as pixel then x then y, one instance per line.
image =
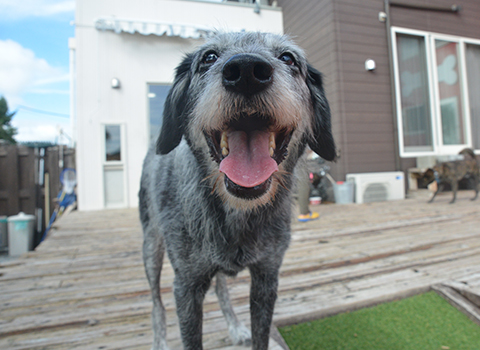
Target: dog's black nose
pixel 247 74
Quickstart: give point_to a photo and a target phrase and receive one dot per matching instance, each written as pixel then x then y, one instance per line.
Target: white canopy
pixel 131 26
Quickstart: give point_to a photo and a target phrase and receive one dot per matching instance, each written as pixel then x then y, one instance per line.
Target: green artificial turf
pixel 423 322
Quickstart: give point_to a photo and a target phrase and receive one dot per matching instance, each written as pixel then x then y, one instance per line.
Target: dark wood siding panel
pixel 377 137
pixel 376 165
pixel 355 44
pixel 312 25
pixel 366 17
pixel 366 30
pixel 357 74
pixel 338 36
pixel 373 129
pixel 371 86
pixel 302 11
pixel 366 152
pixel 356 99
pixel 465 23
pixel 367 118
pixel 366 96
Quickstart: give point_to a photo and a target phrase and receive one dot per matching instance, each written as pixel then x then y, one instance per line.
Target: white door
pixel 114 167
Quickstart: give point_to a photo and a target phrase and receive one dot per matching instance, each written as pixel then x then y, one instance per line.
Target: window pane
pixel 473 77
pixel 450 93
pixel 416 119
pixel 112 143
pixel 114 196
pixel 157 95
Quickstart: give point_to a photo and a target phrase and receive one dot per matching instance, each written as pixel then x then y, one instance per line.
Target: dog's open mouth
pixel 249 150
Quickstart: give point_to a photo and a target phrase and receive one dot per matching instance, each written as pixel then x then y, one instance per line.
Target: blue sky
pixel 34 66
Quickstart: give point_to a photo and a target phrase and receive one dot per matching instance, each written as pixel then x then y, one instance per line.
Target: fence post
pixel 9 196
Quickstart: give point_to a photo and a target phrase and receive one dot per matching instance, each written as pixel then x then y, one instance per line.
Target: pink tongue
pixel 248 163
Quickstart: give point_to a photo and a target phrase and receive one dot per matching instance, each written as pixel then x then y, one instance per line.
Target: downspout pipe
pixel 398 164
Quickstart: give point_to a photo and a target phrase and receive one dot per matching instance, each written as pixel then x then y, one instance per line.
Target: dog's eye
pixel 210 58
pixel 287 58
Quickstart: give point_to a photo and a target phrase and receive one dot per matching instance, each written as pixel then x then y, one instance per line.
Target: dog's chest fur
pixel 208 234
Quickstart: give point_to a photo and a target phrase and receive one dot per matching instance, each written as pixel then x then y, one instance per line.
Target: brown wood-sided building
pixel 427 76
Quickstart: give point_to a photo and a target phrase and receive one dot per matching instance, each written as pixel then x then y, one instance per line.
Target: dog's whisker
pixel 279 176
pixel 214 187
pixel 208 177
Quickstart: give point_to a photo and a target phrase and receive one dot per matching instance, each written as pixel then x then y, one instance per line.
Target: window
pixel 157 94
pixel 437 79
pixel 113 144
pixel 473 77
pixel 449 93
pixel 415 95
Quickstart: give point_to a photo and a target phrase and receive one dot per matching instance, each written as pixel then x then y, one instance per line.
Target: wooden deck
pixel 85 288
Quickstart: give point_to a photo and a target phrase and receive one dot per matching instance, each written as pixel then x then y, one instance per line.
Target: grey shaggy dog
pixel 216 191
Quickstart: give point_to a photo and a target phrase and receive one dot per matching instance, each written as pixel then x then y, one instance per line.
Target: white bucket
pixel 344 192
pixel 20 233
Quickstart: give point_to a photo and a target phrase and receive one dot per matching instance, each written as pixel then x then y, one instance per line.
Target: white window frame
pixel 170 85
pixel 122 144
pixel 467 93
pixel 442 148
pixel 115 164
pixel 434 96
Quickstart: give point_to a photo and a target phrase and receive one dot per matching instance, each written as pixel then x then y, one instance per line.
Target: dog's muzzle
pixel 249 148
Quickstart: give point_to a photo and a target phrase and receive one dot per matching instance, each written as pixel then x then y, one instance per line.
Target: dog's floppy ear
pixel 321 141
pixel 427 178
pixel 429 172
pixel 174 119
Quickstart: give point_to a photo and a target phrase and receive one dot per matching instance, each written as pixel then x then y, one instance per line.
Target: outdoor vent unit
pixel 377 187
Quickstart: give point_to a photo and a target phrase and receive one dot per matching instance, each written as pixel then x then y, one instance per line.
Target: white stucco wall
pixel 135 60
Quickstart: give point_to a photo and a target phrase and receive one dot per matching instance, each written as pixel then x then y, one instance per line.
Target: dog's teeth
pixel 272 144
pixel 224 144
pixel 272 140
pixel 224 140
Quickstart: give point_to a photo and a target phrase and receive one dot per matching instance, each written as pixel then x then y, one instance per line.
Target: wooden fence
pixel 30 181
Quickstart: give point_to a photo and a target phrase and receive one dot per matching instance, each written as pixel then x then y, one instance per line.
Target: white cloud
pixel 29 130
pixel 15 9
pixel 20 70
pixel 53 79
pixel 50 91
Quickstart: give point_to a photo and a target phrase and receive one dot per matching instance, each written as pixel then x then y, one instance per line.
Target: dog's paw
pixel 240 335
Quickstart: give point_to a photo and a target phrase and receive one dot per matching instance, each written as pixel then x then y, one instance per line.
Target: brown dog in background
pixel 452 172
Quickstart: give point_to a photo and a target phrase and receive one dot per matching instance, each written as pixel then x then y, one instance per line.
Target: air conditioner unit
pixel 377 187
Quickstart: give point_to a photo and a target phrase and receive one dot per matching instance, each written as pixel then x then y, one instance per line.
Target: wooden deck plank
pixel 85 287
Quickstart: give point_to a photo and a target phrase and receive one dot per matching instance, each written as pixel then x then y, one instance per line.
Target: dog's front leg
pixel 263 294
pixel 439 189
pixel 189 294
pixel 454 190
pixel 237 330
pixel 476 186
